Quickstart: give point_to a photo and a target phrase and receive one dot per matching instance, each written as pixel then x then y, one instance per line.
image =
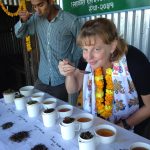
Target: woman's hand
pixel 66 68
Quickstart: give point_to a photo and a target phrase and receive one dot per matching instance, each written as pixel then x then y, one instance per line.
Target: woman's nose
pixel 90 55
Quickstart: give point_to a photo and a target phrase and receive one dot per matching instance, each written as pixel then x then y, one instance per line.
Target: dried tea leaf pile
pixel 19 136
pixel 86 135
pixel 7 125
pixel 39 147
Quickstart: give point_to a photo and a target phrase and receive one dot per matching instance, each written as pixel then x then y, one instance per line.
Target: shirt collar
pixel 59 15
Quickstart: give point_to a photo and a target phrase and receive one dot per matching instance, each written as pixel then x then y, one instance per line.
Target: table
pixel 51 137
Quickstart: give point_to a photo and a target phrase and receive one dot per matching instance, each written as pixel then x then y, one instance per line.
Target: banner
pixel 89 7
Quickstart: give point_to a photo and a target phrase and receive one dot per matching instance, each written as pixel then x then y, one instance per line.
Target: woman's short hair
pixel 106 30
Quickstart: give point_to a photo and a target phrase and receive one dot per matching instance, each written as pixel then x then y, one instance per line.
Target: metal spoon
pixel 82 71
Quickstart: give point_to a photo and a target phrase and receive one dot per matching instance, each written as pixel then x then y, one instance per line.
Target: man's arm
pixel 25 25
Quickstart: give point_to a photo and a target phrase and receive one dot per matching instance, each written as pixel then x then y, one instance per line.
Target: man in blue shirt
pixel 56 31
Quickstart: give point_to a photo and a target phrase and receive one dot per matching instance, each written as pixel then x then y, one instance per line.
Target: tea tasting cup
pixel 85 120
pixel 68 128
pixel 26 90
pixel 49 117
pixel 86 141
pixel 49 103
pixel 65 110
pixel 105 133
pixel 9 97
pixel 140 146
pixel 33 108
pixel 20 103
pixel 38 96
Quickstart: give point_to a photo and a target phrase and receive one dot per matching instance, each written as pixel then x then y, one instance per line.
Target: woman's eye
pixel 97 49
pixel 41 5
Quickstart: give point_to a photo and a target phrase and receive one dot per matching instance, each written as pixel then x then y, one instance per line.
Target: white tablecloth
pixel 51 137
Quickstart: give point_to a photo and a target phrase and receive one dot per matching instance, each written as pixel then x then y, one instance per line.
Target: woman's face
pixel 41 7
pixel 97 54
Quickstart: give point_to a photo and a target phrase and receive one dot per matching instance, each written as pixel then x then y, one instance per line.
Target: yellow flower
pixel 104 105
pixel 97 78
pixel 99 95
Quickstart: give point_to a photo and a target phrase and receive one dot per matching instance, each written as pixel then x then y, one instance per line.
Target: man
pixel 56 31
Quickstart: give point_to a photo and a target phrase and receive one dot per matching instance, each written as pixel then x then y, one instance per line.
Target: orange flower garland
pixel 104 104
pixel 22 6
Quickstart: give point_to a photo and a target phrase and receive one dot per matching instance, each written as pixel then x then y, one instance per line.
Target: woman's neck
pixel 109 65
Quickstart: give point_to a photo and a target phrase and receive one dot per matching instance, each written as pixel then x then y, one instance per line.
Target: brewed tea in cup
pixel 65 110
pixel 105 133
pixel 85 120
pixel 140 146
pixel 49 103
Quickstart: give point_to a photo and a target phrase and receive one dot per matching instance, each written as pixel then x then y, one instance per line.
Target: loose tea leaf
pixel 20 136
pixel 39 147
pixel 86 135
pixel 8 91
pixel 19 96
pixel 68 120
pixel 49 110
pixel 7 125
pixel 32 102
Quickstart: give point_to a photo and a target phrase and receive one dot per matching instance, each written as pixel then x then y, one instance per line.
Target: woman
pixel 118 87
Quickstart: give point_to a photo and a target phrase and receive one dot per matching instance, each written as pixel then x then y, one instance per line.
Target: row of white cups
pixel 68 130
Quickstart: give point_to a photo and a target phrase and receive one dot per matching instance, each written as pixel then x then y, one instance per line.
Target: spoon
pixel 82 71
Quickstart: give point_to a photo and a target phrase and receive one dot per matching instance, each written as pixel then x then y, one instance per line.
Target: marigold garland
pixel 22 6
pixel 104 104
pixel 28 43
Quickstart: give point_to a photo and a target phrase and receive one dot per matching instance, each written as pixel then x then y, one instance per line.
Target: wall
pixel 133 25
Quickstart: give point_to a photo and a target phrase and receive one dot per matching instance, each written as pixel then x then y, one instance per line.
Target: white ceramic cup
pixel 140 144
pixel 49 118
pixel 108 133
pixel 86 144
pixel 9 97
pixel 85 120
pixel 49 103
pixel 38 96
pixel 20 103
pixel 26 90
pixel 33 109
pixel 65 110
pixel 68 130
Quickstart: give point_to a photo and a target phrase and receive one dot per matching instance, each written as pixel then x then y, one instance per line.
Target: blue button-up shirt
pixel 57 40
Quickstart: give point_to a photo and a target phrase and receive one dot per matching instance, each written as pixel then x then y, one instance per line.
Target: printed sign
pixel 88 7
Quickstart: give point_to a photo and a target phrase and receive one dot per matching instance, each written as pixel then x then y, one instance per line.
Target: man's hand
pixel 24 15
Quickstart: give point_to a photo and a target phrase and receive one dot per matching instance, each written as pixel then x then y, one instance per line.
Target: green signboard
pixel 88 7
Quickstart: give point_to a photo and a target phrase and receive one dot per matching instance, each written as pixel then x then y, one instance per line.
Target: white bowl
pixel 140 144
pixel 105 133
pixel 49 103
pixel 65 110
pixel 26 90
pixel 85 120
pixel 38 96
